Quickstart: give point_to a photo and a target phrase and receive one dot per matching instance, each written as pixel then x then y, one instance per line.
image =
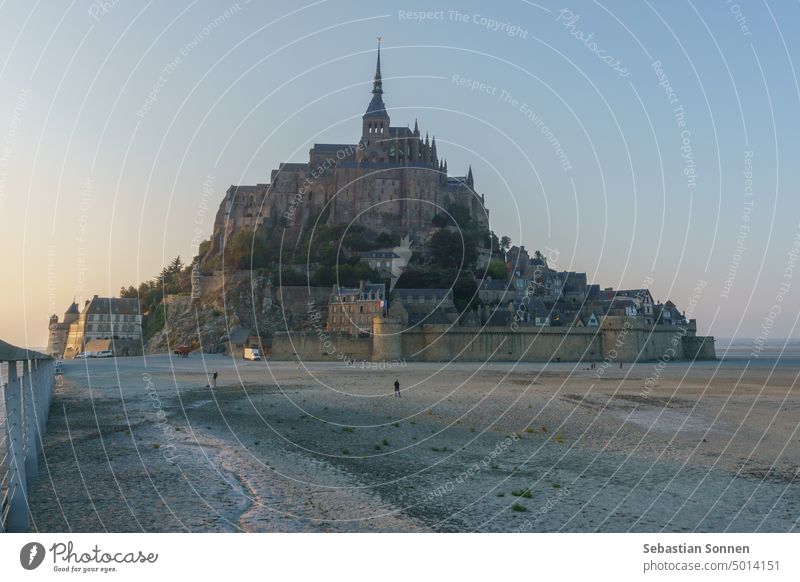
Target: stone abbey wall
pixel 435 343
pixel 320 346
pixel 618 339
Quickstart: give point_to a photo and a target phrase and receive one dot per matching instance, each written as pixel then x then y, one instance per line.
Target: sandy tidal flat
pixel 147 446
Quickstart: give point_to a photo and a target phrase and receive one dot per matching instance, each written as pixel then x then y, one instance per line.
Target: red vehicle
pixel 183 351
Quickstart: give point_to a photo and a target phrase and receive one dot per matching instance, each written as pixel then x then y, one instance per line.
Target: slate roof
pixel 435 316
pixel 386 165
pixel 379 255
pixel 290 166
pixel 640 294
pixel 376 108
pixel 495 285
pixel 378 288
pixel 499 317
pixel 335 147
pixel 401 132
pixel 412 294
pixel 113 306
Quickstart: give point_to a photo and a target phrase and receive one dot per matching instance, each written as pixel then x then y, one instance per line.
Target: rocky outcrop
pixel 236 302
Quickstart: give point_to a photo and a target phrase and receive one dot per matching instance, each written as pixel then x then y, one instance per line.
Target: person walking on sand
pixel 397 388
pixel 214 379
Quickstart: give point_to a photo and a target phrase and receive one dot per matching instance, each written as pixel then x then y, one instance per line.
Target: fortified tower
pixel 386 340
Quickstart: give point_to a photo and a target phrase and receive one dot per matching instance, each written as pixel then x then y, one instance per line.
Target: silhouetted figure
pixel 214 379
pixel 620 365
pixel 397 388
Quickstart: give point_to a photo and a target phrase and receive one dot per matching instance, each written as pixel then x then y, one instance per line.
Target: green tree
pixel 465 292
pixel 461 215
pixel 289 278
pixel 424 278
pixel 505 243
pixel 324 276
pixel 440 221
pixel 451 249
pixel 385 240
pixel 328 254
pixel 497 269
pixel 246 250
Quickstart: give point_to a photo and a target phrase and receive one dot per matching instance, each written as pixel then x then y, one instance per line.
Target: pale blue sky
pixel 100 186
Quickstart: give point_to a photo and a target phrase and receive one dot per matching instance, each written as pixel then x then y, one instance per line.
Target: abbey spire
pixel 377 82
pixel 375 123
pixel 376 107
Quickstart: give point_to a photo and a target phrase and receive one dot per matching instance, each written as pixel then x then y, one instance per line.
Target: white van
pixel 252 354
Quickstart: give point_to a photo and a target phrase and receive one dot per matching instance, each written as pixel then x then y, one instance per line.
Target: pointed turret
pixel 434 158
pixel 416 128
pixel 470 181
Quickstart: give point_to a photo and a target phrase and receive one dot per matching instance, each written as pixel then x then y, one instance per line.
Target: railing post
pixel 42 371
pixel 42 387
pixel 46 388
pixel 18 519
pixel 29 404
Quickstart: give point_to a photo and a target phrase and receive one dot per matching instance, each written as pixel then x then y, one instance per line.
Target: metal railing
pixel 27 379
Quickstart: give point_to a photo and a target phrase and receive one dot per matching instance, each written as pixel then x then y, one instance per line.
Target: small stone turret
pixel 386 339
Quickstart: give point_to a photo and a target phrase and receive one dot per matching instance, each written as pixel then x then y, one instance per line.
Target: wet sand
pixel 135 446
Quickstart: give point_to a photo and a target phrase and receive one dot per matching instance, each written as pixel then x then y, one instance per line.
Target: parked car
pixel 103 354
pixel 252 354
pixel 183 351
pixel 84 355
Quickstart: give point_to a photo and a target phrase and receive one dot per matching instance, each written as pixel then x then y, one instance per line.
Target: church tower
pixel 375 124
